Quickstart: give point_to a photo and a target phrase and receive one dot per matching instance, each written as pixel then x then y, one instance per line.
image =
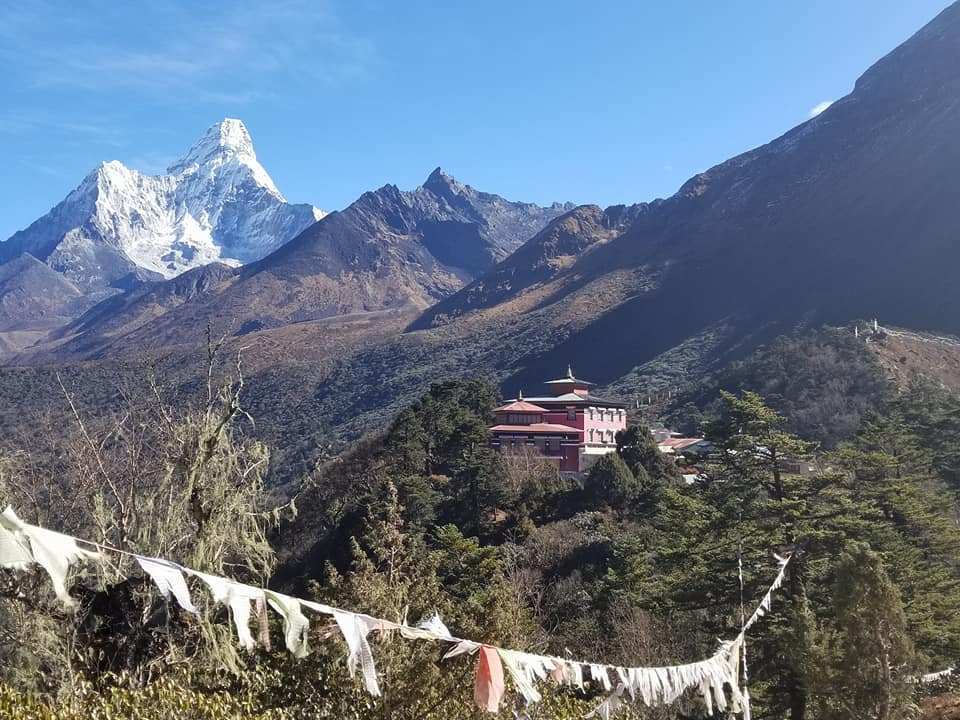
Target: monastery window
pixel 590 411
pixel 591 434
pixel 571 414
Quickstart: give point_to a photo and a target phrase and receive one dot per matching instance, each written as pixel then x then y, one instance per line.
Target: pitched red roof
pixel 569 381
pixel 521 406
pixel 570 378
pixel 579 400
pixel 680 443
pixel 542 428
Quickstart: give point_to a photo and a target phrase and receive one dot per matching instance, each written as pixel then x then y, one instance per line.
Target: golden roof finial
pixel 570 372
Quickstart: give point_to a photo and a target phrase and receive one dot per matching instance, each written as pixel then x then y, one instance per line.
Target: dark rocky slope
pixel 389 250
pixel 851 214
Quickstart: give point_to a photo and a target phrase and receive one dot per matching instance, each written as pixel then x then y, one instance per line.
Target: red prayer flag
pixel 488 686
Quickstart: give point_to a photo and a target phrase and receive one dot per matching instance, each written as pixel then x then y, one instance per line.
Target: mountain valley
pixel 849 215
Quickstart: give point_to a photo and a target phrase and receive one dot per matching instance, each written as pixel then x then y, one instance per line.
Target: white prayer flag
pixel 168 579
pixel 53 551
pixel 13 553
pixel 237 597
pixel 516 665
pixel 296 627
pixel 22 544
pixel 435 626
pixel 355 629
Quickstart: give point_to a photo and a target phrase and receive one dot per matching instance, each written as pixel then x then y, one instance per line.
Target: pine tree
pixel 639 451
pixel 610 484
pixel 751 498
pixel 881 488
pixel 900 510
pixel 874 656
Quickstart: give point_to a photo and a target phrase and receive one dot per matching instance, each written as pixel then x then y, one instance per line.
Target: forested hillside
pixel 306 425
pixel 824 382
pixel 630 565
pixel 850 214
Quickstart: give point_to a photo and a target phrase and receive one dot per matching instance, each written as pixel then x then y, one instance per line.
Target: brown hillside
pixel 905 355
pixel 944 707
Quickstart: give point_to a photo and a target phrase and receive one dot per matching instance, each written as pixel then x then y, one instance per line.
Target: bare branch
pixel 95 449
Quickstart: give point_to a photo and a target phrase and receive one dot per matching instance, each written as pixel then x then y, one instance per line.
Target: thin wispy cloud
pixel 42 168
pixel 819 108
pixel 182 51
pixel 33 122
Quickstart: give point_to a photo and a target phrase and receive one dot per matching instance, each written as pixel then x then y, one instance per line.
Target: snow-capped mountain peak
pixel 215 204
pixel 227 138
pixel 226 143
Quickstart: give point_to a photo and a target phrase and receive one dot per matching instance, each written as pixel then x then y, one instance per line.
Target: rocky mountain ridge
pixel 389 250
pixel 850 214
pixel 215 204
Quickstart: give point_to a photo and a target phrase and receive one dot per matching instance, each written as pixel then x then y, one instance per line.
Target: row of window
pixel 519 419
pixel 592 413
pixel 513 443
pixel 610 414
pixel 602 436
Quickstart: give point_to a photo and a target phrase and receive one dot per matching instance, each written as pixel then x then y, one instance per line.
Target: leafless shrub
pixel 158 479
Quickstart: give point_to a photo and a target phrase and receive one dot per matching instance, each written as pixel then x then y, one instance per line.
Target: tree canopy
pixel 629 563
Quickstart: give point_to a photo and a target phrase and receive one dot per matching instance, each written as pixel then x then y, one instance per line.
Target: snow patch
pixel 215 204
pixel 819 108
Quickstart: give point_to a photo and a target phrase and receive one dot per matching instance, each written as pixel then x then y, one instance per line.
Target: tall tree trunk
pixel 796 682
pixel 886 676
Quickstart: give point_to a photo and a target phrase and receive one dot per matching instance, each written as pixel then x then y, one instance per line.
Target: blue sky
pixel 540 101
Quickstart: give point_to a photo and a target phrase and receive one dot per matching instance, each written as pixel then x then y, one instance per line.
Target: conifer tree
pixel 750 498
pixel 610 484
pixel 639 450
pixel 751 479
pixel 873 655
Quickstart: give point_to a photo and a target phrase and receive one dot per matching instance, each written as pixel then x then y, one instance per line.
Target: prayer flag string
pixel 718 678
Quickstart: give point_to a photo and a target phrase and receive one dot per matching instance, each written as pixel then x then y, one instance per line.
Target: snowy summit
pixel 215 204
